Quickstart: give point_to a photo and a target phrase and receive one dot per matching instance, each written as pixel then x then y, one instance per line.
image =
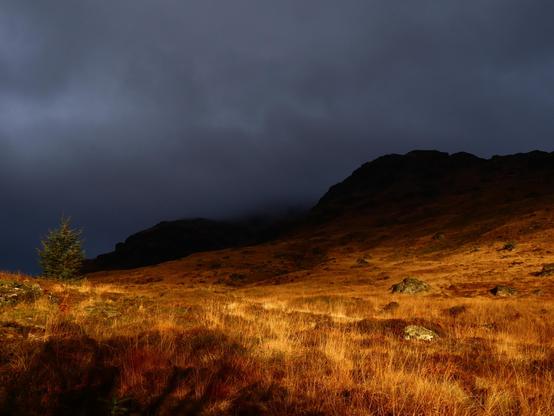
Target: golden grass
pixel 269 352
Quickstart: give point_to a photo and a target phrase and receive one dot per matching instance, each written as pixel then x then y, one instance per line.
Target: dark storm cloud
pixel 123 113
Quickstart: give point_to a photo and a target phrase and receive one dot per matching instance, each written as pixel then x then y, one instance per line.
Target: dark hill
pixel 418 178
pixel 418 188
pixel 170 240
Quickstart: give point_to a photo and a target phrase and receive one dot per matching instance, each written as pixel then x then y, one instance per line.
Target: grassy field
pixel 266 331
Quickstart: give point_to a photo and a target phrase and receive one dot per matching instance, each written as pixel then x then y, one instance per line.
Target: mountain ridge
pixel 419 186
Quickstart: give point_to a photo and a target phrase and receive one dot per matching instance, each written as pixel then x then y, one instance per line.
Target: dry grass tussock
pixel 91 348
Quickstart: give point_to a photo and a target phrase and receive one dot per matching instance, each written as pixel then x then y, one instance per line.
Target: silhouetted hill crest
pixel 422 175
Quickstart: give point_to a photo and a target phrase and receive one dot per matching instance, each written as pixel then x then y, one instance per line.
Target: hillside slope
pixel 485 219
pixel 416 194
pixel 307 323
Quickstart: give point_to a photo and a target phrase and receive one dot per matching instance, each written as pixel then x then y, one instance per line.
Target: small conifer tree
pixel 61 255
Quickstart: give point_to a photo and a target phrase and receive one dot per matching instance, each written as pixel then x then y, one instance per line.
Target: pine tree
pixel 62 255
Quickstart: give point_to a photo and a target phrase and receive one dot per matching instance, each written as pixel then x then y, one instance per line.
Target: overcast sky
pixel 122 113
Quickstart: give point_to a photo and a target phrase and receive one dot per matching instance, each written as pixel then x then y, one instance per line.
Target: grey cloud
pixel 125 113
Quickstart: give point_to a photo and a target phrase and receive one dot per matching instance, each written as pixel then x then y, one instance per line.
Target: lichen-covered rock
pixel 12 293
pixel 410 285
pixel 503 291
pixel 419 333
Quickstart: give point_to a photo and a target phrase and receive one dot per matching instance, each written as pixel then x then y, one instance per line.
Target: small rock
pixel 454 311
pixel 361 262
pixel 491 326
pixel 104 310
pixel 547 270
pixel 410 285
pixel 511 246
pixel 419 332
pixel 503 291
pixel 438 236
pixel 538 292
pixel 391 307
pixel 237 277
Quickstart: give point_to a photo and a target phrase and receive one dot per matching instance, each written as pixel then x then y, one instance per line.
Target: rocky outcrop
pixel 419 333
pixel 503 291
pixel 410 286
pixel 12 293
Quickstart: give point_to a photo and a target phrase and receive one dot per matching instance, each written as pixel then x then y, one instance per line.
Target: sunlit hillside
pixel 305 325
